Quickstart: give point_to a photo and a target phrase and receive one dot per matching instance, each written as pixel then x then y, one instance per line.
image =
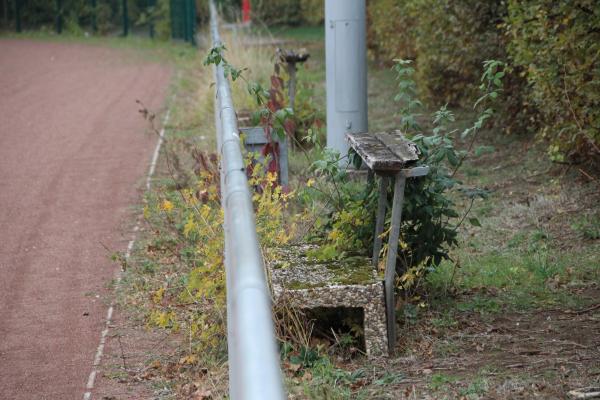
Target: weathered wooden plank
pixel 374 153
pixel 254 135
pixel 384 151
pixel 254 140
pixel 380 219
pixel 399 145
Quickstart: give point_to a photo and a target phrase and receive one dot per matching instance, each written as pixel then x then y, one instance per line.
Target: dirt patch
pixel 137 362
pixel 517 355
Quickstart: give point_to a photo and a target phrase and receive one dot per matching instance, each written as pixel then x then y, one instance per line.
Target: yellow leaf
pixel 189 227
pixel 158 295
pixel 167 205
pixel 190 359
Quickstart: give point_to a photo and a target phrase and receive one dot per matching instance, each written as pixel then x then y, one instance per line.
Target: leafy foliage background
pixel 558 45
pixel 551 47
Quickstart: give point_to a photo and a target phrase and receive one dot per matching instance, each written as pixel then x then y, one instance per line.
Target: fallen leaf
pixel 202 395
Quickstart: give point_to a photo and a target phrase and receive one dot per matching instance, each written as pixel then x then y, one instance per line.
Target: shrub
pixel 313 11
pixel 452 39
pixel 557 44
pixel 391 29
pixel 431 215
pixel 449 40
pixel 279 12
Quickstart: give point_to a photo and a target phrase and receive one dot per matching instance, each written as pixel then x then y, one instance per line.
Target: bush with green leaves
pixel 313 11
pixel 452 39
pixel 78 15
pixel 431 216
pixel 558 46
pixel 278 12
pixel 448 41
pixel 390 29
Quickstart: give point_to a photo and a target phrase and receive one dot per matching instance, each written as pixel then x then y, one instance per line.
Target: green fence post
pixel 186 20
pixel 172 12
pixel 125 19
pixel 194 18
pixel 151 5
pixel 18 15
pixel 94 17
pixel 59 19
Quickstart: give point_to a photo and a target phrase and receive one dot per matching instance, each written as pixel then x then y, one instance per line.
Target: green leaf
pixel 474 221
pixel 480 150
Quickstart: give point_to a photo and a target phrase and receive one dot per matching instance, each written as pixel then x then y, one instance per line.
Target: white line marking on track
pixel 100 350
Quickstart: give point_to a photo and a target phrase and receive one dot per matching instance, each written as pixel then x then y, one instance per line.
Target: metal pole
pixel 186 20
pixel 94 16
pixel 246 11
pixel 151 6
pixel 5 11
pixel 125 19
pixel 254 371
pixel 190 19
pixel 18 5
pixel 59 21
pixel 291 69
pixel 346 62
pixel 193 17
pixel 172 14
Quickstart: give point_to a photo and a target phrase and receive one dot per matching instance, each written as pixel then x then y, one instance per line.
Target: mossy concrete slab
pixel 300 281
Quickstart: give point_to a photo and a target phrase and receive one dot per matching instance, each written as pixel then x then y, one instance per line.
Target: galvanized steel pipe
pixel 254 370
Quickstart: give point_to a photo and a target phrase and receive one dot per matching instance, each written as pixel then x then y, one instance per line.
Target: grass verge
pixel 497 323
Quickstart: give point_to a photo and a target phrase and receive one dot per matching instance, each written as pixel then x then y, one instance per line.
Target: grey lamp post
pixel 346 60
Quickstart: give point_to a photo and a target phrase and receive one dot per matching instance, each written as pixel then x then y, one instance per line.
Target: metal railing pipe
pixel 254 370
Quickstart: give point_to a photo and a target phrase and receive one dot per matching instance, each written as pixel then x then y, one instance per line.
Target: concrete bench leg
pixel 376 340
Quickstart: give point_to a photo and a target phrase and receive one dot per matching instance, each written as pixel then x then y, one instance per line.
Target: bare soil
pixel 72 152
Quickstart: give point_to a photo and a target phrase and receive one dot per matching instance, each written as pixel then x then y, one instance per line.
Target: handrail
pixel 254 370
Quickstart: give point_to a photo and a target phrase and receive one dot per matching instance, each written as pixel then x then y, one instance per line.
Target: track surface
pixel 72 154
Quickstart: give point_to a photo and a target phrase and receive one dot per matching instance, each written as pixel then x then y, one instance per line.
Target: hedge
pixel 552 49
pixel 558 45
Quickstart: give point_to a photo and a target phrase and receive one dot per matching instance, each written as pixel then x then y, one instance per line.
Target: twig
pixel 521 365
pixel 591 178
pixel 585 310
pixel 585 393
pixel 466 213
pixel 122 353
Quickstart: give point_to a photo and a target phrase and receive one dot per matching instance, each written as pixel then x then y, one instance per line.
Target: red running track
pixel 73 155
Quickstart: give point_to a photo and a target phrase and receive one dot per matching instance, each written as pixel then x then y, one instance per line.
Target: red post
pixel 245 10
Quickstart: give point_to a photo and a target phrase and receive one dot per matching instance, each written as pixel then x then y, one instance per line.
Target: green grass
pixel 440 381
pixel 528 273
pixel 150 49
pixel 501 268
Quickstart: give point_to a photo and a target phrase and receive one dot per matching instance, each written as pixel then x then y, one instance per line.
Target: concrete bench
pixel 300 282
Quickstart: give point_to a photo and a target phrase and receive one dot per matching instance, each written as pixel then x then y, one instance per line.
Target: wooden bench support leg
pixel 390 266
pixel 283 162
pixel 380 218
